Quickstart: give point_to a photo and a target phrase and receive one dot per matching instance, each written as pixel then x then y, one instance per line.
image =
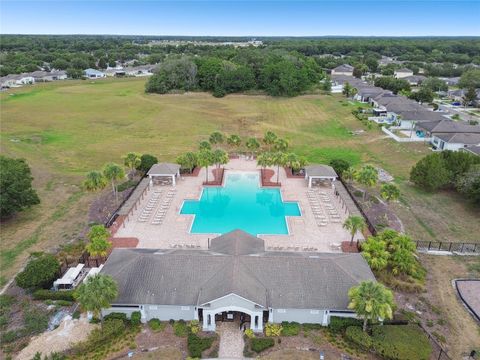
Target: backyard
pixel 65 129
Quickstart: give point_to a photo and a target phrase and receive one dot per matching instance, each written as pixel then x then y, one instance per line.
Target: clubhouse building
pixel 235 279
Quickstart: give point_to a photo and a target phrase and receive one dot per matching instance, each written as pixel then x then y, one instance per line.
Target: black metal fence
pixel 448 246
pixel 114 215
pixel 370 225
pixel 438 353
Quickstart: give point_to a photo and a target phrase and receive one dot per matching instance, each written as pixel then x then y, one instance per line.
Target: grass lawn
pixel 65 129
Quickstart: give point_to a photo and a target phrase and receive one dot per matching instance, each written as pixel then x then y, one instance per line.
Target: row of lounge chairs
pixel 151 204
pixel 185 246
pixel 164 206
pixel 322 207
pixel 291 248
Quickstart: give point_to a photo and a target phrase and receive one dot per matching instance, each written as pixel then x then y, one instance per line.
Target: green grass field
pixel 65 129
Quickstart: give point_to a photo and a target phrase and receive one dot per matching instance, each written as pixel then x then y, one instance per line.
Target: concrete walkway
pixel 231 340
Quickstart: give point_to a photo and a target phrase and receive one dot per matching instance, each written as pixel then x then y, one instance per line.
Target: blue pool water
pixel 240 204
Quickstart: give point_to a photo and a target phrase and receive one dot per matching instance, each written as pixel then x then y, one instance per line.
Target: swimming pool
pixel 240 204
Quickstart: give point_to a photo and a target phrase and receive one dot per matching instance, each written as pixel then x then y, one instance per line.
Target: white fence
pixel 404 139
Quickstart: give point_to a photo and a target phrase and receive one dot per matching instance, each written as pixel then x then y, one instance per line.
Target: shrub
pixel 356 335
pixel 194 326
pixel 290 328
pixel 9 336
pixel 126 185
pixel 135 318
pixel 156 325
pixel 340 324
pixel 63 303
pixel 249 333
pixel 40 272
pixel 308 327
pixel 261 344
pixel 35 321
pixel 196 345
pixel 339 166
pixel 43 294
pixel 273 329
pixel 180 328
pixel 146 162
pixel 113 328
pixel 116 315
pixel 5 302
pixel 401 342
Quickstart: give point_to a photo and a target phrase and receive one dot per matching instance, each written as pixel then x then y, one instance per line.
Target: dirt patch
pixel 149 342
pixel 103 207
pixel 62 338
pixel 439 309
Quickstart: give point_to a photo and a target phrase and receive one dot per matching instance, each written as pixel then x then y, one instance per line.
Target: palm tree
pixel 252 145
pixel 94 181
pixel 99 244
pixel 269 139
pixel 367 176
pixel 97 293
pixel 375 253
pixel 234 141
pixel 348 174
pixel 204 145
pixel 347 89
pixel 281 145
pixel 294 162
pixel 353 224
pixel 389 192
pixel 132 161
pixel 216 138
pixel 219 157
pixel 278 159
pixel 264 159
pixel 372 301
pixel 113 172
pixel 205 159
pixel 187 161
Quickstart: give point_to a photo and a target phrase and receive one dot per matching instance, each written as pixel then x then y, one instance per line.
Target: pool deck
pixel 174 230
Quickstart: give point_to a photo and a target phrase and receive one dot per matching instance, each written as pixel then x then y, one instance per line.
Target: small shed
pixel 164 170
pixel 319 171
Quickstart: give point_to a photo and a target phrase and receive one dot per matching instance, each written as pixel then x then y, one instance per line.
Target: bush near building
pixel 260 344
pixel 40 272
pixel 197 345
pixel 44 294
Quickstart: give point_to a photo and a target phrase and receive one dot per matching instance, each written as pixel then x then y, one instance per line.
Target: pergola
pixel 164 170
pixel 317 171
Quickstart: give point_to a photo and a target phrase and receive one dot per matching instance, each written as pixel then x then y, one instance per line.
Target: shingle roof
pixel 237 242
pixel 473 149
pixel 449 126
pixel 460 138
pixel 320 170
pixel 404 70
pixel 164 169
pixel 343 68
pixel 279 280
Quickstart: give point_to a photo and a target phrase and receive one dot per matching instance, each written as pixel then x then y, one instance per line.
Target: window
pixel 153 307
pixel 281 311
pixel 185 308
pixel 314 312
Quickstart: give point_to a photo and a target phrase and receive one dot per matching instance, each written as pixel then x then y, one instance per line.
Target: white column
pixel 309 181
pixel 195 314
pixel 205 323
pixel 173 180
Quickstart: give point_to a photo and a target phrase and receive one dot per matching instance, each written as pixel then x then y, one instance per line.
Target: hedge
pixel 116 315
pixel 156 325
pixel 180 328
pixel 135 318
pixel 290 328
pixel 356 335
pixel 401 342
pixel 196 345
pixel 340 324
pixel 43 294
pixel 261 344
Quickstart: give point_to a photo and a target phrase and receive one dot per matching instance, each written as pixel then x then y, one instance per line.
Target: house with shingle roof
pixel 235 278
pixel 402 73
pixel 344 69
pixel 450 135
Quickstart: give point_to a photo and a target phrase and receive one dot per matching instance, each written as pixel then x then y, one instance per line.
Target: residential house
pixel 93 74
pixel 415 80
pixel 475 149
pixel 344 69
pixel 452 81
pixel 46 76
pixel 235 278
pixel 143 70
pixel 339 80
pixel 450 135
pixel 457 95
pixel 402 73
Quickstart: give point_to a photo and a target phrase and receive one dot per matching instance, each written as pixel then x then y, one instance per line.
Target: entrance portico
pixel 229 307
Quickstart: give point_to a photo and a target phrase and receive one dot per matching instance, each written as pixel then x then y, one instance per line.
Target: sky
pixel 242 18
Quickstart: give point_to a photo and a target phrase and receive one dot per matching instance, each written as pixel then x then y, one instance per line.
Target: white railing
pixel 404 139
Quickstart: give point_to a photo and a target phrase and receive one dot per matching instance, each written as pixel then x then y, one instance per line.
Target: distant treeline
pixel 25 53
pixel 279 73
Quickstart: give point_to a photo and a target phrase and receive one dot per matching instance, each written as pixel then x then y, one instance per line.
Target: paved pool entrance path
pixel 231 340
